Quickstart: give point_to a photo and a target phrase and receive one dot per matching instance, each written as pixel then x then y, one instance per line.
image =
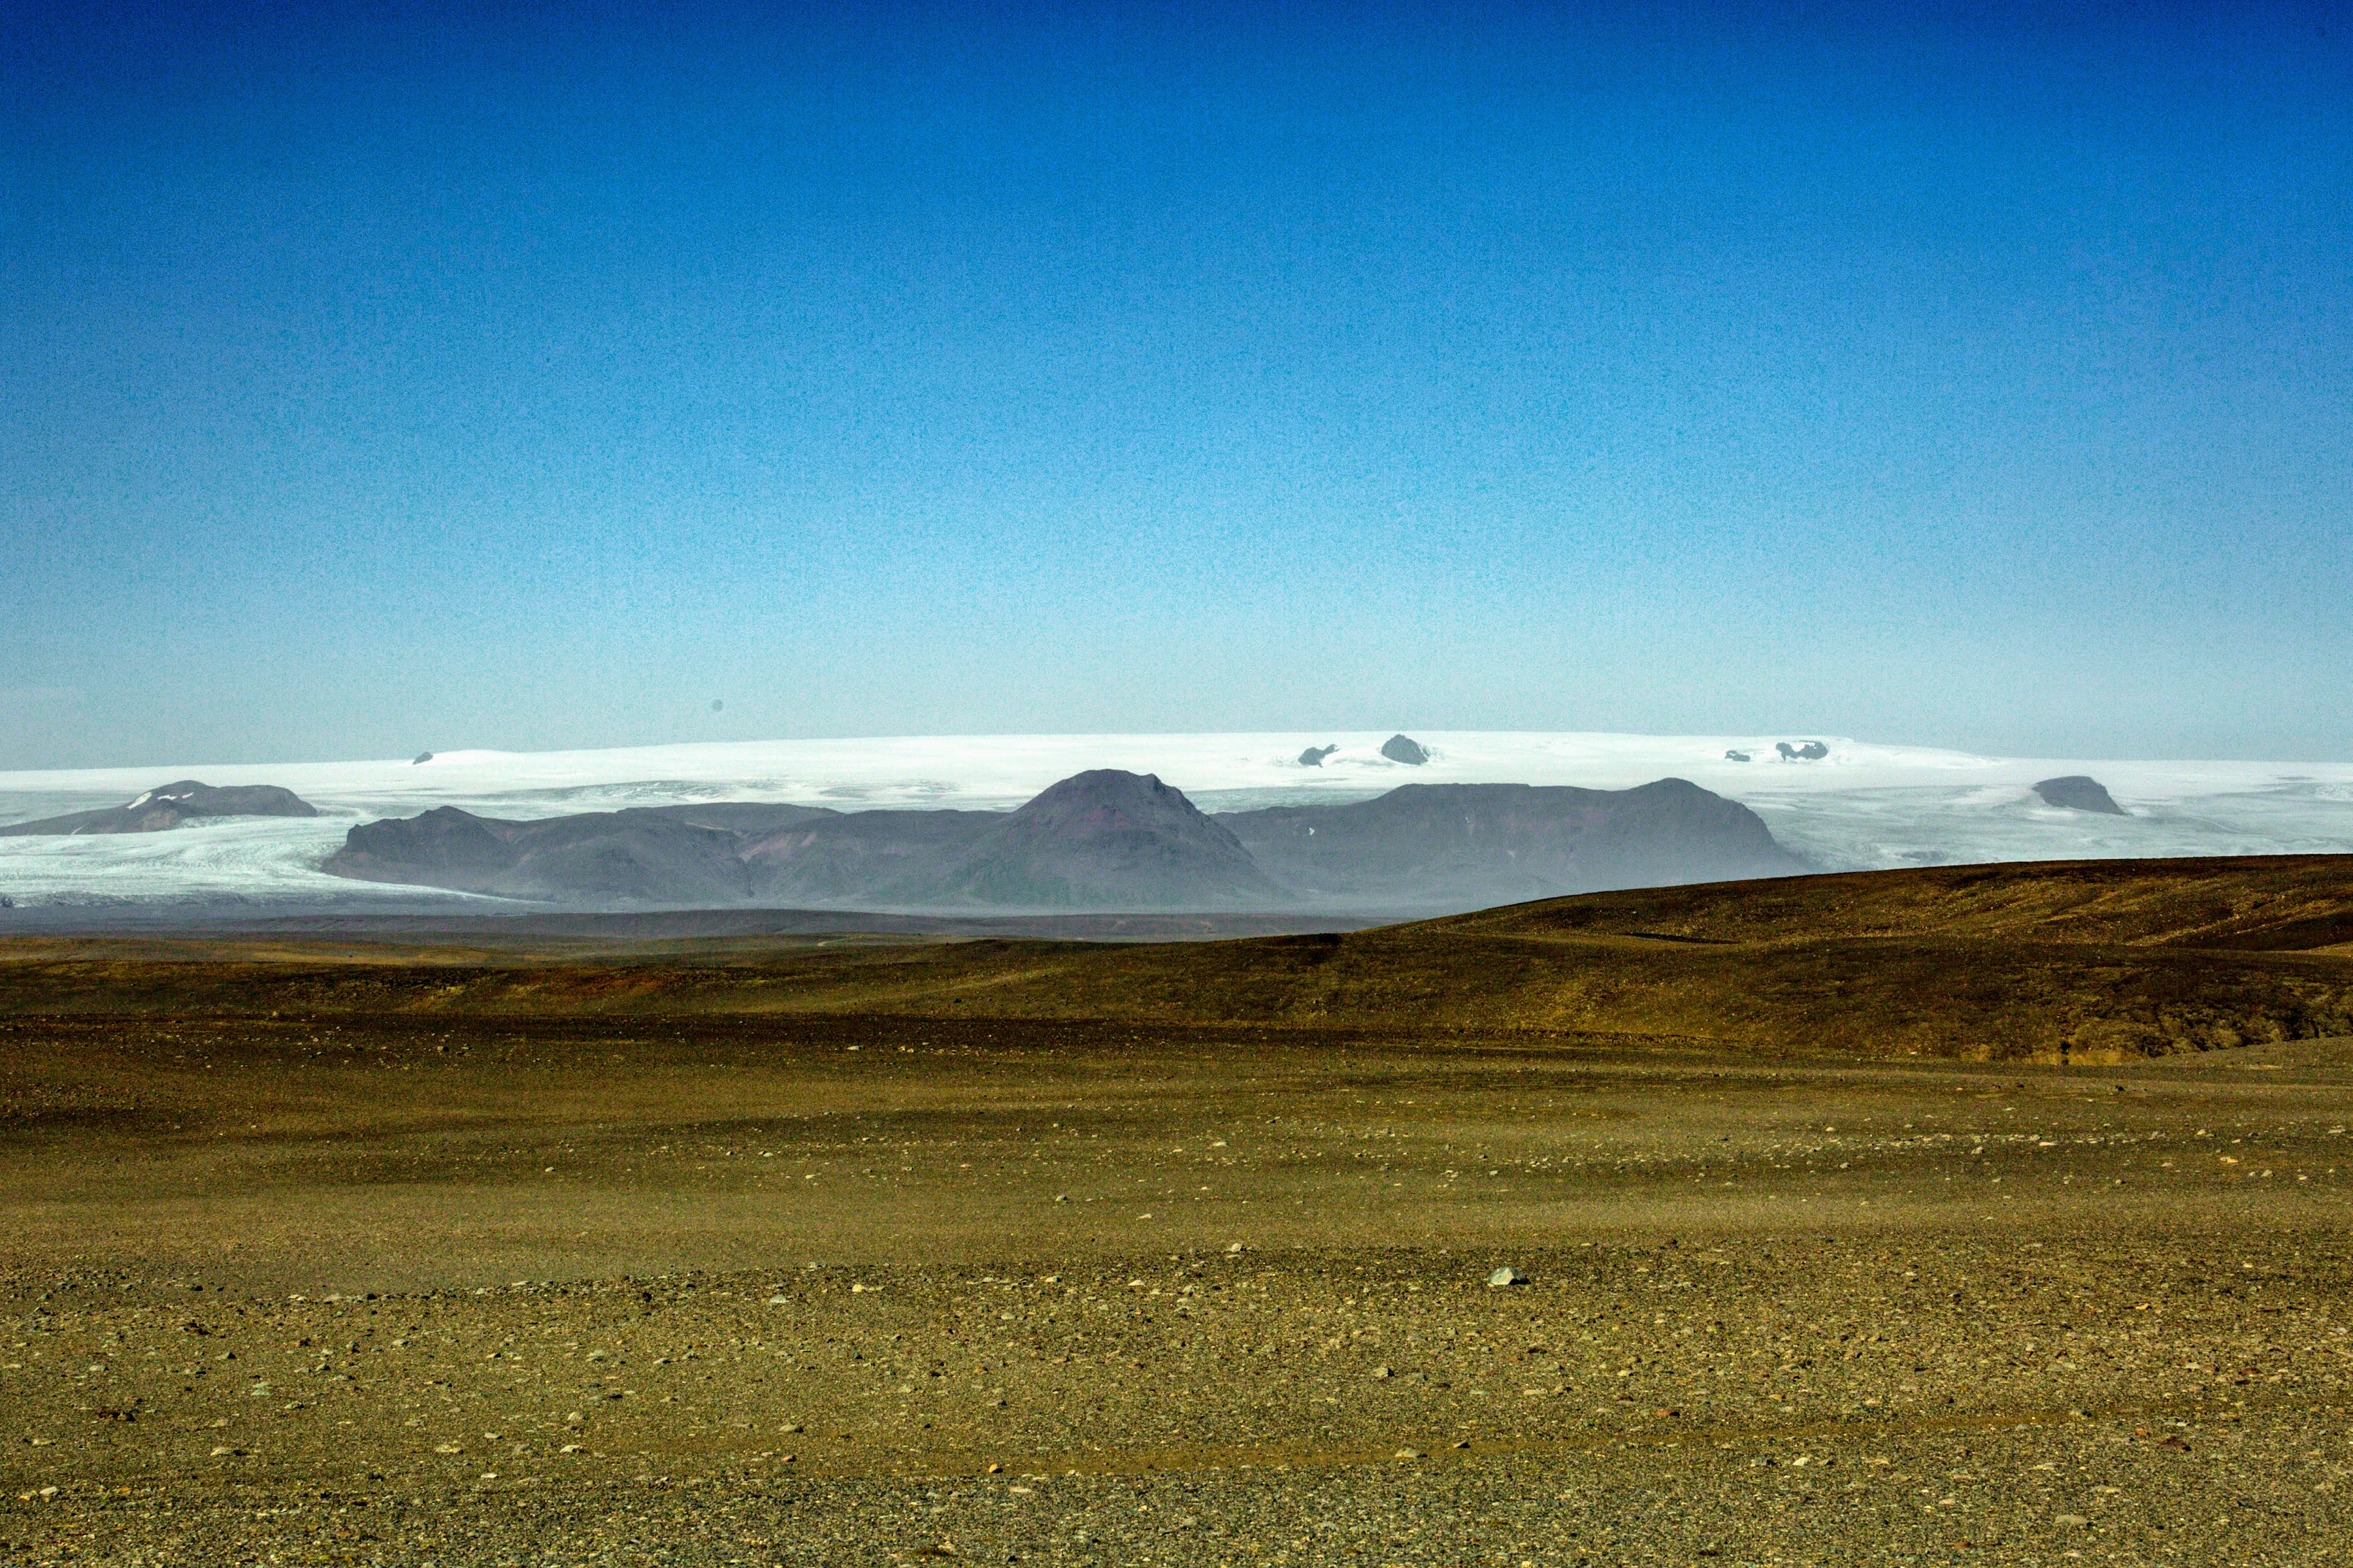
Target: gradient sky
pixel 375 379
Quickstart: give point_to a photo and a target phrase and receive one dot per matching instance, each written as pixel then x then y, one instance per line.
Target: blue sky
pixel 375 379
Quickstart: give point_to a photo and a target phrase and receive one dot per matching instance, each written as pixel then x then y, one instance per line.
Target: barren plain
pixel 319 1250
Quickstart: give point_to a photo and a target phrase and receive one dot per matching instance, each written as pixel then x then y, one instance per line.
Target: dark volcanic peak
pixel 1405 749
pixel 172 806
pixel 2079 792
pixel 1109 839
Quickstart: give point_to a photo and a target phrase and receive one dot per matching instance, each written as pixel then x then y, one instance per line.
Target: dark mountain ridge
pixel 1104 840
pixel 1489 844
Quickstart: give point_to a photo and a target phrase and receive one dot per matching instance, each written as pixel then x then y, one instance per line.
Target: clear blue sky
pixel 382 378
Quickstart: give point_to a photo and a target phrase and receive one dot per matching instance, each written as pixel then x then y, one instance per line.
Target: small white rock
pixel 1505 1275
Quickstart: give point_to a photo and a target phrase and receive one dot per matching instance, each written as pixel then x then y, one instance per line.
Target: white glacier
pixel 1863 806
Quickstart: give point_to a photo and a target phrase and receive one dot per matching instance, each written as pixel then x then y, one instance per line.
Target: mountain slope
pixel 851 857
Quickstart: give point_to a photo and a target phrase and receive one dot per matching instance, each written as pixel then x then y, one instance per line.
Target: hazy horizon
pixel 1974 380
pixel 252 769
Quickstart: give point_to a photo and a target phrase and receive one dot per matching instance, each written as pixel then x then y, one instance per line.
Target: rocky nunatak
pixel 2079 792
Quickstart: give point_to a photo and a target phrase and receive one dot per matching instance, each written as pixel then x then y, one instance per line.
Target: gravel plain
pixel 873 1291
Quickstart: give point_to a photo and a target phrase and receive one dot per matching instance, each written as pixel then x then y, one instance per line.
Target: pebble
pixel 1505 1275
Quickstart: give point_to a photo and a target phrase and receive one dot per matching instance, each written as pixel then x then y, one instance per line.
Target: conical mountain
pixel 1112 840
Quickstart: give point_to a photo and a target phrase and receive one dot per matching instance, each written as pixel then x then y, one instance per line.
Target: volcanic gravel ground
pixel 853 1290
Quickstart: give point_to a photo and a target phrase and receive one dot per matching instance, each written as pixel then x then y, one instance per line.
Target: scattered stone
pixel 1808 752
pixel 2172 1445
pixel 2080 792
pixel 1504 1277
pixel 1408 1453
pixel 1313 757
pixel 1381 1373
pixel 1405 749
pixel 1736 756
pixel 421 758
pixel 2072 1521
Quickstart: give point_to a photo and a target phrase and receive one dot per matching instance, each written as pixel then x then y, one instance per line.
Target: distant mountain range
pixel 1103 841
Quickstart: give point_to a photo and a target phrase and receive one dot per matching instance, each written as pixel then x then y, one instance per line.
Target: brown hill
pixel 2097 961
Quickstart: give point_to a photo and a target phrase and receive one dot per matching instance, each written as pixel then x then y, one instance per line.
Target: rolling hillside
pixel 2089 961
